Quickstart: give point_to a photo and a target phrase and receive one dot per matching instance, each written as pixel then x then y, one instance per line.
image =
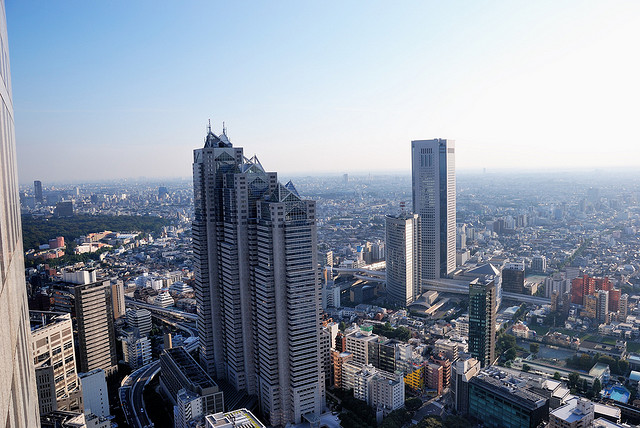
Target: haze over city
pixel 120 89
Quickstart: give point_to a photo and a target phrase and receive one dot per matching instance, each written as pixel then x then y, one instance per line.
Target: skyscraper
pixel 96 334
pixel 257 286
pixel 482 321
pixel 434 200
pixel 403 280
pixel 37 189
pixel 18 394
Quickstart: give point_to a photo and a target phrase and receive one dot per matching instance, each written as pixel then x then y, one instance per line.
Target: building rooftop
pixel 40 319
pixel 190 368
pixel 240 418
pixel 509 387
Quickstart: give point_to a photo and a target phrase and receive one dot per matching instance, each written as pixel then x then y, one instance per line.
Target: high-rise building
pixel 96 334
pixel 461 372
pixel 602 310
pixel 539 264
pixel 117 295
pixel 37 189
pixel 55 361
pixel 140 320
pixel 95 397
pixel 623 307
pixel 257 285
pixel 513 277
pixel 482 321
pixel 402 240
pixel 434 200
pixel 18 393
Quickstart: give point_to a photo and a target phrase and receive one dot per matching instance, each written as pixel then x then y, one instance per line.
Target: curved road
pixel 131 392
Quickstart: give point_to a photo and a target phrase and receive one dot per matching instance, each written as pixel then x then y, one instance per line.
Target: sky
pixel 114 89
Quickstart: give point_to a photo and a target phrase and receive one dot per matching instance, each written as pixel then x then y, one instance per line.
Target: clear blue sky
pixel 106 89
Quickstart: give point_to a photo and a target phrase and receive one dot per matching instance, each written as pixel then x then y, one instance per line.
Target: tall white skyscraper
pixel 257 286
pixel 434 200
pixel 402 238
pixel 18 394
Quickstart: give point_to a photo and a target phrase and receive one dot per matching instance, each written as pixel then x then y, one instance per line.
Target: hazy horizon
pixel 117 89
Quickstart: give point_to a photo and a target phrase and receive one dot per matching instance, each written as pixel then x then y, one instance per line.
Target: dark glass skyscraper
pixel 482 321
pixel 18 398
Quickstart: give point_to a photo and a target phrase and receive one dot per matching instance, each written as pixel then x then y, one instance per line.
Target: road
pixel 132 392
pixel 450 286
pixel 157 309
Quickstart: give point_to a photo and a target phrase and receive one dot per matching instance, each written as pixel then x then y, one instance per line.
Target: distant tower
pixel 256 282
pixel 401 244
pixel 482 321
pixel 37 189
pixel 434 200
pixel 18 393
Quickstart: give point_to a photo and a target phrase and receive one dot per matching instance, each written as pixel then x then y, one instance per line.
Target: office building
pixel 37 190
pixel 55 362
pixel 602 309
pixel 179 371
pixel 95 396
pixel 188 409
pixel 623 307
pixel 64 209
pixel 136 350
pixel 461 372
pixel 539 264
pixel 96 334
pixel 18 392
pixel 117 294
pixel 434 200
pixel 402 241
pixel 256 282
pixel 505 402
pixel 240 418
pixel 357 343
pixel 382 354
pixel 482 321
pixel 140 321
pixel 513 277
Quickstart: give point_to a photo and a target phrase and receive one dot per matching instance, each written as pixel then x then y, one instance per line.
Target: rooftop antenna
pixel 224 129
pixel 209 127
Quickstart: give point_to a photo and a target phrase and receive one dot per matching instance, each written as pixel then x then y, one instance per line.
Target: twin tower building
pixel 256 268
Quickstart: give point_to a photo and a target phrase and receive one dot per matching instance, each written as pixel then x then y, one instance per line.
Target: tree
pixel 574 378
pixel 510 354
pixel 596 387
pixel 342 326
pixel 534 348
pixel 556 376
pixel 413 404
pixel 526 367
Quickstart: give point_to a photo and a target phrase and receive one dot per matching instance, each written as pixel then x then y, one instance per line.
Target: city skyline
pixel 103 79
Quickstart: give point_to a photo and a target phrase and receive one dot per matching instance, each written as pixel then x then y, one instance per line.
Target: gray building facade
pixel 18 393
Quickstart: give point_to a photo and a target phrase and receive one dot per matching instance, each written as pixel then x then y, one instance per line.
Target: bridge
pixel 462 287
pixel 164 311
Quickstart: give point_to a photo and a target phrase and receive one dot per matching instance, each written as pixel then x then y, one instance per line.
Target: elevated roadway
pixel 132 392
pixel 157 309
pixel 461 287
